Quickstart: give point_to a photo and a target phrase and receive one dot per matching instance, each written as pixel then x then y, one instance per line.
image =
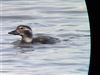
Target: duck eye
pixel 21 28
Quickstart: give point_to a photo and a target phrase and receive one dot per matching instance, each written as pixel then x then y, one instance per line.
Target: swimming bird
pixel 27 36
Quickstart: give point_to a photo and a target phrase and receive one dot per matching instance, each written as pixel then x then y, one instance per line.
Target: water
pixel 64 19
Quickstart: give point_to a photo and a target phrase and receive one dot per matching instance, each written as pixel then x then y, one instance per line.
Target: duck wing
pixel 45 39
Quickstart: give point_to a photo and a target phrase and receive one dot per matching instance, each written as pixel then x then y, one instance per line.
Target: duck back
pixel 45 40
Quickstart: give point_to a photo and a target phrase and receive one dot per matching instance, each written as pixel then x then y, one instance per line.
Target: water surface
pixel 64 19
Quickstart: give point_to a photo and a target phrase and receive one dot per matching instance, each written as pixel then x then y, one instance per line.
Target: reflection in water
pixel 64 19
pixel 21 45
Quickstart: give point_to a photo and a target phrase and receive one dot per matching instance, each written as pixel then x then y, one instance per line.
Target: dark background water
pixel 64 19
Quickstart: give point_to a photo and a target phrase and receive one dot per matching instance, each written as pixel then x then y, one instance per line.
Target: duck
pixel 27 36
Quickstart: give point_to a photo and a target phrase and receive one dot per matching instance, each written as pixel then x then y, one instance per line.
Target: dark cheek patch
pixel 28 33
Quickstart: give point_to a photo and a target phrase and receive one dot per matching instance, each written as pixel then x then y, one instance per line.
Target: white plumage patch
pixel 28 40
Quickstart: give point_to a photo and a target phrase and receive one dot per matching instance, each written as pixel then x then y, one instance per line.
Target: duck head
pixel 24 31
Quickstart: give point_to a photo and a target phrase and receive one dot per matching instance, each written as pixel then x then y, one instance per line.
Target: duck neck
pixel 27 38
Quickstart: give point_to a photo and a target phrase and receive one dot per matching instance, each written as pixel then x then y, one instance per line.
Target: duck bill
pixel 13 32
